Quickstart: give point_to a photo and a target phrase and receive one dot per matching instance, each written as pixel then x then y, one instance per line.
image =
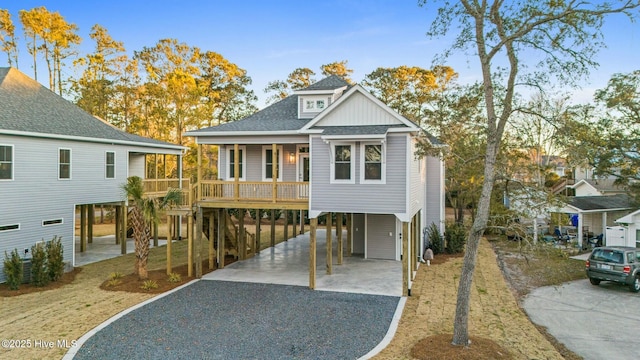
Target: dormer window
pixel 319 104
pixel 314 104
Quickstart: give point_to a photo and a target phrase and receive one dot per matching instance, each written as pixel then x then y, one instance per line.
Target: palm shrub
pixel 39 273
pixel 435 239
pixel 455 235
pixel 55 259
pixel 13 269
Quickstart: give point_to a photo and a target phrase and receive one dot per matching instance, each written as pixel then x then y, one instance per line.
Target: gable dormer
pixel 318 96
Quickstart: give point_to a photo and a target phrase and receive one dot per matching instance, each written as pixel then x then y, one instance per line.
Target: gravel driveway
pixel 235 320
pixel 595 322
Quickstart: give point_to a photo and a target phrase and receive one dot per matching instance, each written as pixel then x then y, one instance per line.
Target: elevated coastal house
pixel 56 159
pixel 330 149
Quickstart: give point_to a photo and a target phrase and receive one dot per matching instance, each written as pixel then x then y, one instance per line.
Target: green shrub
pixel 149 285
pixel 39 273
pixel 435 239
pixel 13 269
pixel 175 278
pixel 115 276
pixel 455 235
pixel 55 259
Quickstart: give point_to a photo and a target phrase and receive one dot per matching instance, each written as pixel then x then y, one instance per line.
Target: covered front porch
pixel 287 263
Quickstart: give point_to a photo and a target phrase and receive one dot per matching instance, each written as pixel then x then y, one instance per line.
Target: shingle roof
pixel 587 203
pixel 27 106
pixel 604 185
pixel 329 83
pixel 281 116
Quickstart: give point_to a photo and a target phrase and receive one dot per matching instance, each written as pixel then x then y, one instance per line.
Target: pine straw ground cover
pixel 67 312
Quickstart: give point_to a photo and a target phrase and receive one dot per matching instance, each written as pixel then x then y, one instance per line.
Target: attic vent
pixel 9 227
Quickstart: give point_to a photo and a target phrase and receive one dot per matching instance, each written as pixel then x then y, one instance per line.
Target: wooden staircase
pixel 231 235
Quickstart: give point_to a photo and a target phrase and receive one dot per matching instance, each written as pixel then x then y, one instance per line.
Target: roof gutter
pixel 93 140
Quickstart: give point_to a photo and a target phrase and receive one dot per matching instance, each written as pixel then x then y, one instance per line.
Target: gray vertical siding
pixel 370 198
pixel 381 245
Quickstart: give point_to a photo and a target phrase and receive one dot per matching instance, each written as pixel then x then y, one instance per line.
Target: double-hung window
pixel 270 162
pixel 343 166
pixel 242 150
pixel 64 163
pixel 6 162
pixel 372 163
pixel 110 165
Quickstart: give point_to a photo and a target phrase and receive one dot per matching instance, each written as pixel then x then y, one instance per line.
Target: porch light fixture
pixel 292 157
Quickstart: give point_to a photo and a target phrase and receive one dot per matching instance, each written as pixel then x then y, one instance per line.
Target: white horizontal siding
pixel 381 237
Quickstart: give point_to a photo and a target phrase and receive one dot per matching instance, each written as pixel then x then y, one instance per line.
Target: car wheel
pixel 594 281
pixel 635 285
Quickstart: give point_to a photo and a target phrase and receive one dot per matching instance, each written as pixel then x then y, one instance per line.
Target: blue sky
pixel 270 39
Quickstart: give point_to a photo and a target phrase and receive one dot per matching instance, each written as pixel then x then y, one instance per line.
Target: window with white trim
pixel 372 163
pixel 52 222
pixel 242 153
pixel 64 163
pixel 9 227
pixel 110 165
pixel 6 162
pixel 314 105
pixel 343 165
pixel 268 162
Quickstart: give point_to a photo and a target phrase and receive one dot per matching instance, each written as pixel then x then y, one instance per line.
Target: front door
pixel 303 173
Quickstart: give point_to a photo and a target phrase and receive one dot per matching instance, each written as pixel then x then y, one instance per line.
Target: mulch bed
pixel 439 347
pixel 67 278
pixel 131 283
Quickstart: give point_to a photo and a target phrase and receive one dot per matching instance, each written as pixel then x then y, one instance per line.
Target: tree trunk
pixel 461 320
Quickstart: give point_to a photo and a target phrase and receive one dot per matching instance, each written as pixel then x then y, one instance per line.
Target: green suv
pixel 615 263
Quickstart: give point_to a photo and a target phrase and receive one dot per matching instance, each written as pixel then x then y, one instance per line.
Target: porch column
pixel 301 222
pixel 273 227
pixel 604 226
pixel 580 232
pixel 329 245
pixel 198 241
pixel 236 172
pixel 339 236
pixel 155 160
pixel 124 213
pixel 92 220
pixel 199 173
pixel 83 228
pixel 294 221
pixel 258 221
pixel 169 270
pixel 274 171
pixel 405 258
pixel 312 252
pixel 286 224
pixel 212 250
pixel 222 233
pixel 116 213
pixel 349 234
pixel 190 244
pixel 412 263
pixel 179 218
pixel 155 234
pixel 242 239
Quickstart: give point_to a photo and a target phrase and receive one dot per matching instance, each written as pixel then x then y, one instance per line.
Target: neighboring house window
pixel 6 162
pixel 372 163
pixel 343 166
pixel 268 162
pixel 10 227
pixel 110 164
pixel 230 160
pixel 51 222
pixel 64 164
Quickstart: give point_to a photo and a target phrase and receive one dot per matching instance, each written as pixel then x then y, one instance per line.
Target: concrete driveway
pixel 595 322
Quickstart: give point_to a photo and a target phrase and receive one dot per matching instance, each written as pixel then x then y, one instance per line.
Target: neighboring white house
pixel 335 148
pixel 595 187
pixel 629 232
pixel 55 157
